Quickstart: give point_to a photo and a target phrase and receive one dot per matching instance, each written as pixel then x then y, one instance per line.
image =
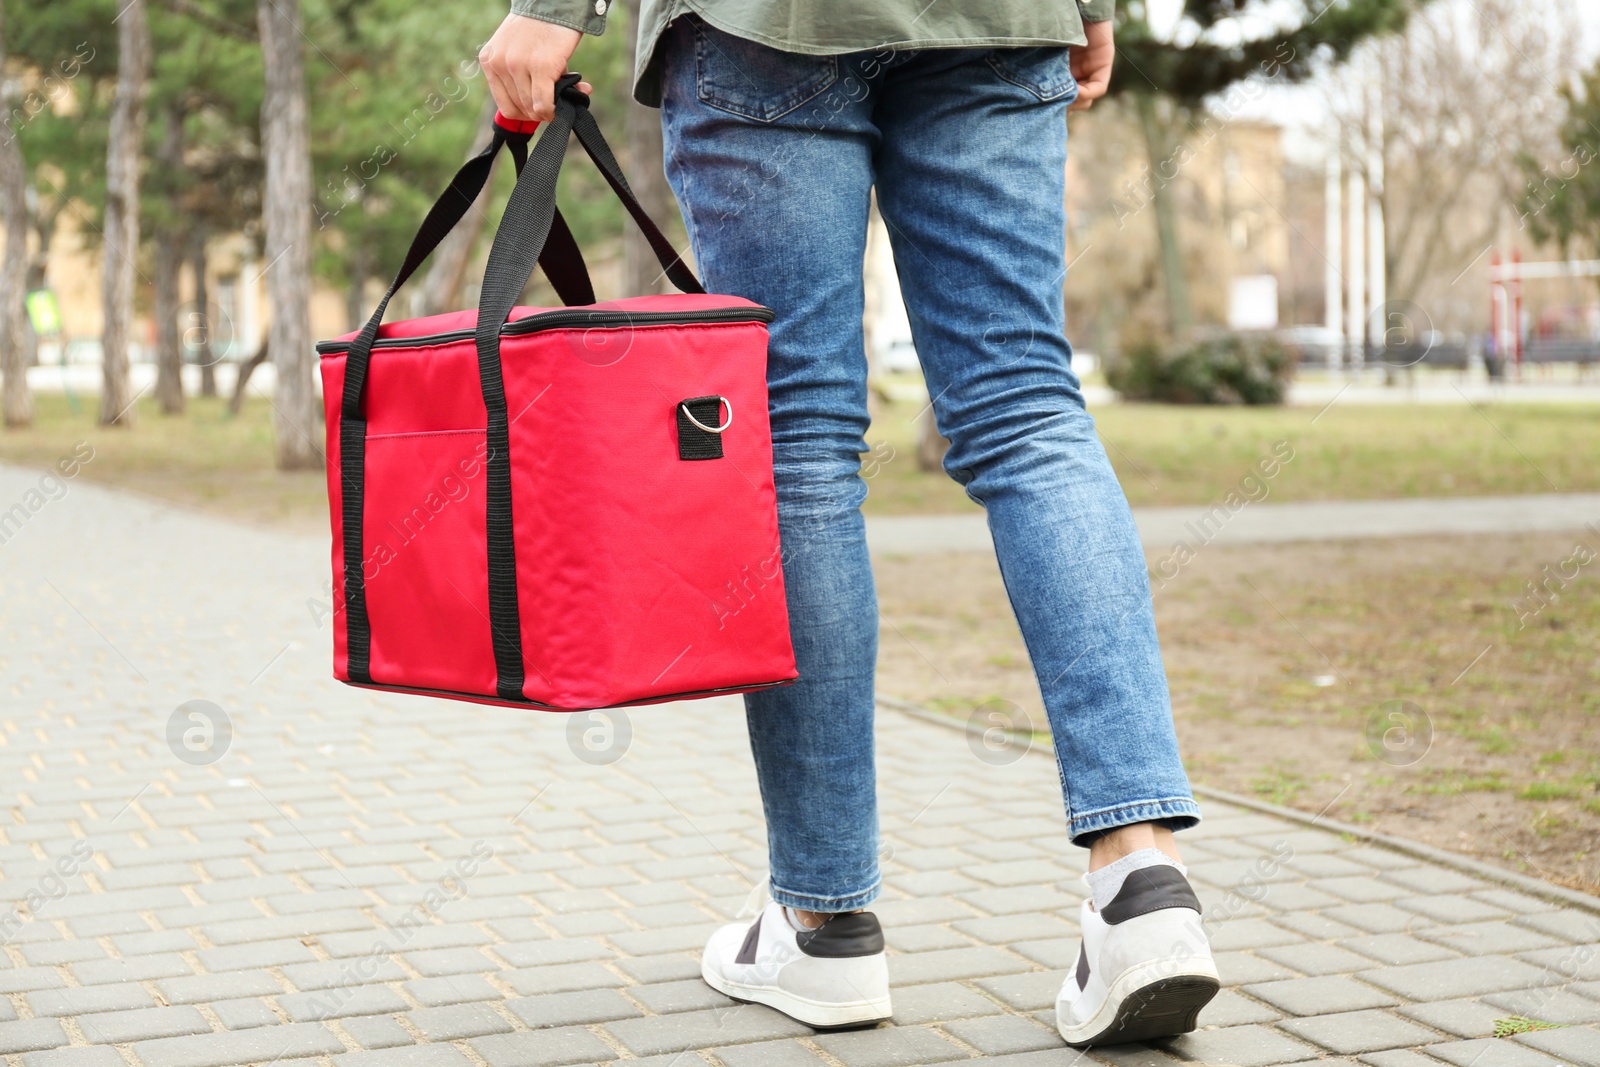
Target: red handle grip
pixel 515 125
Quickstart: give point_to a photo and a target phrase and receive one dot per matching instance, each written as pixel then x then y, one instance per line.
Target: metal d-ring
pixel 703 426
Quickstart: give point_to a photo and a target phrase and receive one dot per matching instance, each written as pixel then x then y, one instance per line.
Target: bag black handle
pixel 563 264
pixel 588 131
pixel 524 231
pixel 561 258
pixel 528 222
pixel 530 229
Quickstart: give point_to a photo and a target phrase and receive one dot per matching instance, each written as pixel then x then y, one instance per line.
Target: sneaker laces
pixel 757 901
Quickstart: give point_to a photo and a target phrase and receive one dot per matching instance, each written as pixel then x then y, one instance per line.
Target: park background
pixel 1303 238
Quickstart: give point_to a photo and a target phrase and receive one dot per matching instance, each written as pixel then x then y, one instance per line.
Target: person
pixel 780 120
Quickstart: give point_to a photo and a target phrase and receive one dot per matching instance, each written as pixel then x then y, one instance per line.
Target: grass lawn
pixel 1389 682
pixel 1164 455
pixel 204 458
pixel 1191 455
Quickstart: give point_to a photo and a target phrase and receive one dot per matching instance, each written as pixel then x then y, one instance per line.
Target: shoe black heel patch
pixel 842 937
pixel 1150 889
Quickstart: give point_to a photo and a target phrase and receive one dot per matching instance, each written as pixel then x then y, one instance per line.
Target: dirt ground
pixel 1407 685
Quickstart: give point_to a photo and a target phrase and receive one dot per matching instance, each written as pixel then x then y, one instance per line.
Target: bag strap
pixel 563 264
pixel 562 260
pixel 588 131
pixel 525 229
pixel 528 223
pixel 530 227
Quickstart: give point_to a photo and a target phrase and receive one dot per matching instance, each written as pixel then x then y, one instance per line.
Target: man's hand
pixel 523 60
pixel 1091 64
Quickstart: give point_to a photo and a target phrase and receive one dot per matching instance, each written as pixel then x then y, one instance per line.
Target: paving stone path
pixel 312 873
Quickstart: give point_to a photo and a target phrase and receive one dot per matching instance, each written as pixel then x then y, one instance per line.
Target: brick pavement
pixel 342 878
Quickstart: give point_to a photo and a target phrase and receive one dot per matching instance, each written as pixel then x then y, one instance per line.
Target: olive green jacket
pixel 833 27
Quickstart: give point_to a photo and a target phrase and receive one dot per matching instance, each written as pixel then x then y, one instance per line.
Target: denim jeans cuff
pixel 1175 813
pixel 813 902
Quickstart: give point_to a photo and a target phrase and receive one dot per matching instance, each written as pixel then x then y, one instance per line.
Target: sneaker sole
pixel 1166 1007
pixel 816 1015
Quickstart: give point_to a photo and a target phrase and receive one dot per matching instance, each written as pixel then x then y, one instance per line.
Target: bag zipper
pixel 563 317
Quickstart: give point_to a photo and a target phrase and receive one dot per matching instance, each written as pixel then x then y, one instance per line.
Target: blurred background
pixel 1334 298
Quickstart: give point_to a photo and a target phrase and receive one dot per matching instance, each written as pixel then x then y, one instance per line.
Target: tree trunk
pixel 16 401
pixel 642 128
pixel 931 444
pixel 121 237
pixel 286 205
pixel 355 295
pixel 247 368
pixel 169 343
pixel 1180 319
pixel 447 269
pixel 200 333
pixel 169 269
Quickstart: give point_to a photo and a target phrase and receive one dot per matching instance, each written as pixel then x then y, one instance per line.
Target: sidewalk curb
pixel 1533 887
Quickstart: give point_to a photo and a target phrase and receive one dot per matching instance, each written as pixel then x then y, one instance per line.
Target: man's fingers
pixel 1091 88
pixel 523 60
pixel 1091 64
pixel 541 94
pixel 1085 100
pixel 504 97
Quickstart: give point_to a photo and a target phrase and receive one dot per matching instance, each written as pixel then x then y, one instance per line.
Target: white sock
pixel 1106 883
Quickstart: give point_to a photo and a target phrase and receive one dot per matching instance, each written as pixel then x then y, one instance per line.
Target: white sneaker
pixel 1145 968
pixel 834 976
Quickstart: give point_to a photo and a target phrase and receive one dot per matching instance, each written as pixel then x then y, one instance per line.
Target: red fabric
pixel 515 125
pixel 640 576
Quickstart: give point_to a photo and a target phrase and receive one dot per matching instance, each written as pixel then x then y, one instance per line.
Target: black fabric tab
pixel 693 442
pixel 843 936
pixel 747 951
pixel 1083 966
pixel 1150 889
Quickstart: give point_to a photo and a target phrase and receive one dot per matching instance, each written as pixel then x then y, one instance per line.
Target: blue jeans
pixel 773 157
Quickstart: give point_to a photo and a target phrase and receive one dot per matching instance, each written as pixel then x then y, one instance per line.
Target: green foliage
pixel 1324 31
pixel 396 103
pixel 1225 369
pixel 60 115
pixel 1561 201
pixel 47 34
pixel 208 80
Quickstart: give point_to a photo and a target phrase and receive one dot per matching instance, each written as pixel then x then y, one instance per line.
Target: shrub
pixel 1225 369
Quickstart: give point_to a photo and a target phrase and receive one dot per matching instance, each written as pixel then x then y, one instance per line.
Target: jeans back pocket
pixel 1046 72
pixel 753 80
